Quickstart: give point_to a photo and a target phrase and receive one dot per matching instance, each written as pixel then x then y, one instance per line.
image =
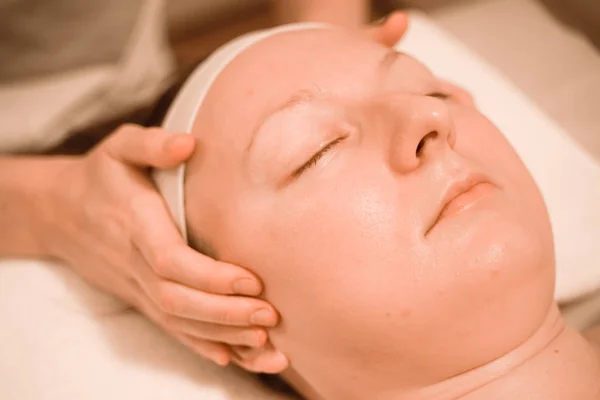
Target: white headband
pixel 183 111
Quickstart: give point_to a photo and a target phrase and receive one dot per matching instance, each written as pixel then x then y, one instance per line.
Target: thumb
pixel 390 31
pixel 149 147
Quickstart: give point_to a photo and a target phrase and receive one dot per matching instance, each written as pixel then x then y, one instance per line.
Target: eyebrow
pixel 301 97
pixel 305 96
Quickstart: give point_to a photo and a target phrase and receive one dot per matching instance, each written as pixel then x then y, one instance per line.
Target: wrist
pixel 347 13
pixel 28 187
pixel 51 204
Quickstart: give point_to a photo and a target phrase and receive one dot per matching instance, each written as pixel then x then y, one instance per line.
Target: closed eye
pixel 315 158
pixel 439 95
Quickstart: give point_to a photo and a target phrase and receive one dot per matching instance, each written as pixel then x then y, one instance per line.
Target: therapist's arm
pixel 25 184
pixel 348 13
pixel 101 215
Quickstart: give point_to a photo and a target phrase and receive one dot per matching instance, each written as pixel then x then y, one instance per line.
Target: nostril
pixel 420 146
pixel 423 142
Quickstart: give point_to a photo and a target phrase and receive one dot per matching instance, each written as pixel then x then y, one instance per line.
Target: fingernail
pixel 277 363
pixel 381 21
pixel 263 317
pixel 169 142
pixel 221 360
pixel 173 141
pixel 247 286
pixel 282 360
pixel 258 339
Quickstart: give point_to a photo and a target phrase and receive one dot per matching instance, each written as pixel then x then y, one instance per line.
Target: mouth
pixel 461 195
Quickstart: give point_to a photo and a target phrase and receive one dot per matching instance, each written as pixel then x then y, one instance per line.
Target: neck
pixel 555 362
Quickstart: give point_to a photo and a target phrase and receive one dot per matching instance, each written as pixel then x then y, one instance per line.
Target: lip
pixel 460 195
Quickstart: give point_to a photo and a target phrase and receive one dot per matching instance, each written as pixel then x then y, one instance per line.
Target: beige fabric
pixel 185 15
pixel 431 5
pixel 40 108
pixel 583 14
pixel 557 67
pixel 583 313
pixel 48 36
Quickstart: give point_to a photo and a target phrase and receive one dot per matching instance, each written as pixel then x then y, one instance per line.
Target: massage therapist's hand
pixel 112 227
pixel 390 30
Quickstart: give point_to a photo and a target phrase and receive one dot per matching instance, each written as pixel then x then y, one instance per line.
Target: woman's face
pixel 331 167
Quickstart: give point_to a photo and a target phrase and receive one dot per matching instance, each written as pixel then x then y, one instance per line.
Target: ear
pixel 457 93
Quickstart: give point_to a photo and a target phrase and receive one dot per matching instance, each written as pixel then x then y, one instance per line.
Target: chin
pixel 504 242
pixel 501 251
pixel 505 284
pixel 512 263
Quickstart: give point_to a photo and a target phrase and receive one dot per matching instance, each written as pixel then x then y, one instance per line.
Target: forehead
pixel 268 72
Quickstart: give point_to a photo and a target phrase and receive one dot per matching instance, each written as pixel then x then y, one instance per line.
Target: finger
pixel 390 31
pixel 175 299
pixel 219 353
pixel 151 147
pixel 264 360
pixel 250 337
pixel 163 248
pixel 185 265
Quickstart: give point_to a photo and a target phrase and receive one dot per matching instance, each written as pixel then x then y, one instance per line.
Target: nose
pixel 423 131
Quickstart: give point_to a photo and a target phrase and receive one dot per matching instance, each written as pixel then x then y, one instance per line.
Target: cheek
pixel 332 258
pixel 521 206
pixel 335 238
pixel 480 142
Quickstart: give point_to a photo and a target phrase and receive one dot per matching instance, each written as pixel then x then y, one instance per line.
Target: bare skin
pixel 402 240
pixel 347 13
